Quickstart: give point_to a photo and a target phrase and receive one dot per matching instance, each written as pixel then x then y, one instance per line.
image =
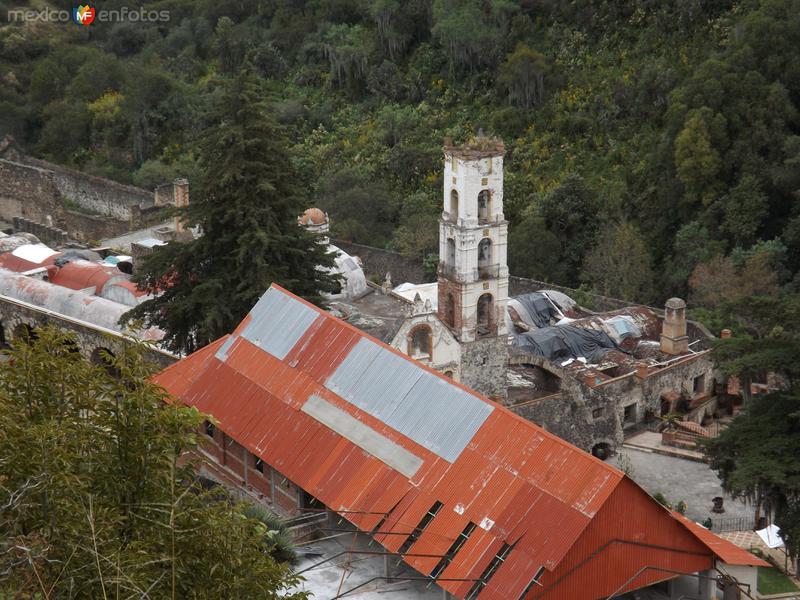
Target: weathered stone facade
pixel 17 318
pixel 483 366
pixel 588 414
pixel 85 206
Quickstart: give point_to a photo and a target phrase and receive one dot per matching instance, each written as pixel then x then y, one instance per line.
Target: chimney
pixel 673 332
pixel 180 199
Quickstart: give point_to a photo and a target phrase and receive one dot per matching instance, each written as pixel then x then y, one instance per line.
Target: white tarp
pixel 771 536
pixel 35 253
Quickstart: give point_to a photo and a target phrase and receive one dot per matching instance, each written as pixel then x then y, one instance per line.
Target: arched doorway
pixel 484 206
pixel 453 212
pixel 485 309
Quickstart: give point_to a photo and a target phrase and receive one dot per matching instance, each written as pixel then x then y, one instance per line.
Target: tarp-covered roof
pixel 534 309
pixel 562 342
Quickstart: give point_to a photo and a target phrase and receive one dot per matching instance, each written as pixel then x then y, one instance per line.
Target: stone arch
pixel 484 254
pixel 485 312
pixel 103 357
pixel 603 448
pixel 669 401
pixel 453 212
pixel 484 206
pixel 420 342
pixel 24 332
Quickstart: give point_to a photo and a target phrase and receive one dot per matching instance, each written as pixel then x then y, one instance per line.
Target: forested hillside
pixel 653 146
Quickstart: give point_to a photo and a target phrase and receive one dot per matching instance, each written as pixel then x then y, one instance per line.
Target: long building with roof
pixel 308 409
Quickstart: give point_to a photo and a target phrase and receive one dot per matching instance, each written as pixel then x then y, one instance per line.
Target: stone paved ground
pixel 680 479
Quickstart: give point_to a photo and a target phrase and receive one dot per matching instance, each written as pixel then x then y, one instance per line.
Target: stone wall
pixel 49 235
pixel 27 192
pixel 16 315
pixel 85 206
pixel 93 194
pixel 587 415
pixel 483 366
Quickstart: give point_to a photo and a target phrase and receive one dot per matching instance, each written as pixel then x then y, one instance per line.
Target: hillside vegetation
pixel 652 145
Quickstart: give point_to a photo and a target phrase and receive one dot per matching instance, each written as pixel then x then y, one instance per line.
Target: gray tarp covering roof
pixel 563 342
pixel 538 309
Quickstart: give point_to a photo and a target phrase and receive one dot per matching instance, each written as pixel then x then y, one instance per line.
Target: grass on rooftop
pixel 772 581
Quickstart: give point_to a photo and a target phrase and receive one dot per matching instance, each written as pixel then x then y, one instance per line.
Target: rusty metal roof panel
pixel 334 411
pixel 420 405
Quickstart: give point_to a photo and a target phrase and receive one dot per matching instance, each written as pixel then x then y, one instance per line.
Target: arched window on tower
pixel 484 257
pixel 484 206
pixel 453 213
pixel 450 311
pixel 485 310
pixel 420 342
pixel 451 252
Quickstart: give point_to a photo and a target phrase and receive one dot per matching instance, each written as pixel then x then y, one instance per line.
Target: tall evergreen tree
pixel 247 207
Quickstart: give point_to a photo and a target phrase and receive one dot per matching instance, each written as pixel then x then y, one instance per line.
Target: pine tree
pixel 247 207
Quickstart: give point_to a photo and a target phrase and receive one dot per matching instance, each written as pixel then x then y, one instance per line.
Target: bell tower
pixel 473 238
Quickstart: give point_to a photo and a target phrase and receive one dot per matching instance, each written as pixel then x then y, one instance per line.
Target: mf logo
pixel 83 15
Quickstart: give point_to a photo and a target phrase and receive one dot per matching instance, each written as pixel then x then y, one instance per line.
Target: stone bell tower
pixel 473 275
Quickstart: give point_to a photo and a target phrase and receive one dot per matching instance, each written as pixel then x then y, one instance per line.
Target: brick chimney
pixel 180 195
pixel 673 332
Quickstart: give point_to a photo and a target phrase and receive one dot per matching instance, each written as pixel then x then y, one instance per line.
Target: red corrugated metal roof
pixel 82 274
pixel 724 550
pixel 517 483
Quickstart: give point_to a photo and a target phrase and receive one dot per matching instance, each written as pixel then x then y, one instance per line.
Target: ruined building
pixel 587 376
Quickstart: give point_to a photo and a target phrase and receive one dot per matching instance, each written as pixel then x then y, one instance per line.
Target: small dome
pixel 313 216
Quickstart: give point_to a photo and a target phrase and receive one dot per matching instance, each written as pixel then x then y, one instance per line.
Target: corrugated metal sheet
pixel 277 322
pixel 415 402
pixel 517 483
pixel 726 551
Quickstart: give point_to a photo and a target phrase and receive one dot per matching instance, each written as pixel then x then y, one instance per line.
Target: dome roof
pixel 313 216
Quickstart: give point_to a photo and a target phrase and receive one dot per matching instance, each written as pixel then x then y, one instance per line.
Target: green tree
pixel 746 207
pixel 756 456
pixel 620 265
pixel 696 160
pixel 570 214
pixel 247 207
pixel 534 251
pixel 97 499
pixel 522 75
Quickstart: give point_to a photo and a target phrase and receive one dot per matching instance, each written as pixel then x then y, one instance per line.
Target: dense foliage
pixel 756 457
pixel 94 501
pixel 247 207
pixel 678 117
